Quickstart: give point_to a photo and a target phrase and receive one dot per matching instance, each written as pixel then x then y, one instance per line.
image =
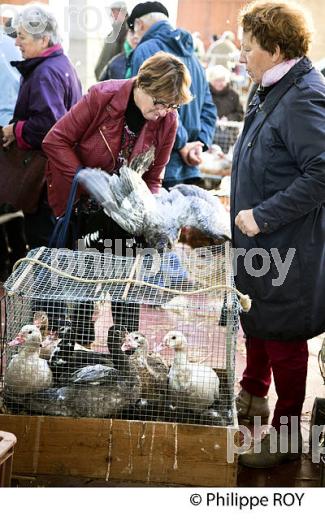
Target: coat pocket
pixel 277 275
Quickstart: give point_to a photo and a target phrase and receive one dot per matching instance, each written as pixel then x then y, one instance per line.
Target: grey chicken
pixel 158 218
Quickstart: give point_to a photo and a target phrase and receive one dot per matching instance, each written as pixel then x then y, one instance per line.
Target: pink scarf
pixel 50 50
pixel 277 72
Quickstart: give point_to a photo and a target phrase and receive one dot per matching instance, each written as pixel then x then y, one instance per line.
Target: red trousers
pixel 288 361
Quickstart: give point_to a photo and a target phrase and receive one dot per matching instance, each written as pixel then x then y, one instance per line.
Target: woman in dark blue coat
pixel 278 220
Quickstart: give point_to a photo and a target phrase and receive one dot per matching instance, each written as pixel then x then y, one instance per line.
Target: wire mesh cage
pixel 227 133
pixel 217 161
pixel 95 335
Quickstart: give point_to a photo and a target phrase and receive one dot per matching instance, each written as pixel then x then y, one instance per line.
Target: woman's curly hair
pixel 274 23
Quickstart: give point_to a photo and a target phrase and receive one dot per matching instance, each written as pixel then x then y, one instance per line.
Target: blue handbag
pixel 62 228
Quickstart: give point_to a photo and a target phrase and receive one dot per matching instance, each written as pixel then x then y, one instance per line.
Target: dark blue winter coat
pixel 116 68
pixel 279 170
pixel 197 120
pixel 49 88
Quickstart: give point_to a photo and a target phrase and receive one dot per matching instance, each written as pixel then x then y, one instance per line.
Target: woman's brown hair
pixel 277 23
pixel 163 76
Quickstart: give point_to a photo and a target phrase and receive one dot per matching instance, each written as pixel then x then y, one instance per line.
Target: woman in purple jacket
pixel 49 88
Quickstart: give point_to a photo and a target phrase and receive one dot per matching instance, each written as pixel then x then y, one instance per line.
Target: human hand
pixel 8 135
pixel 183 152
pixel 191 153
pixel 246 223
pixel 195 154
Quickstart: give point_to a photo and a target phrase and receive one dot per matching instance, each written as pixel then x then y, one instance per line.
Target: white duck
pixel 27 372
pixel 190 385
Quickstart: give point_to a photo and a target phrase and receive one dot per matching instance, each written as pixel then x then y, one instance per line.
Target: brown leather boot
pixel 249 406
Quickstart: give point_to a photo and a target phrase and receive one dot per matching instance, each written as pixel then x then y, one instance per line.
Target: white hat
pixel 118 5
pixel 218 72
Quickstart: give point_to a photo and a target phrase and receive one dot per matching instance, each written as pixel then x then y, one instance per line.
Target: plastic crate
pixel 7 444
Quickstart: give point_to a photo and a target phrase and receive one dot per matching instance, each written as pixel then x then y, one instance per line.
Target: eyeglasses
pixel 167 106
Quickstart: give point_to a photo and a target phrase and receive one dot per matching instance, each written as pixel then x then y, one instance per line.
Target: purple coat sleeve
pixel 49 100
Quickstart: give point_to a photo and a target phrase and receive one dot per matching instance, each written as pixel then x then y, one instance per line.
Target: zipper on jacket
pixel 105 141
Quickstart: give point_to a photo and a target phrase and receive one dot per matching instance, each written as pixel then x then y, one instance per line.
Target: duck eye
pixel 173 337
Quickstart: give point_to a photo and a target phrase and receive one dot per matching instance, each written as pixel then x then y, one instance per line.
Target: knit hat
pixel 145 8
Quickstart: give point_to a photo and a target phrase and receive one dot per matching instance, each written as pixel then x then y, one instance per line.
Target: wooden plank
pixel 135 451
pixel 26 271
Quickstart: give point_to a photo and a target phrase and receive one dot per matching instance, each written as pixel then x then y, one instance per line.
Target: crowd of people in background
pixel 36 63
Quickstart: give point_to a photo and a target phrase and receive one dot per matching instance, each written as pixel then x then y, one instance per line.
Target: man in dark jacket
pixel 114 41
pixel 197 120
pixel 117 66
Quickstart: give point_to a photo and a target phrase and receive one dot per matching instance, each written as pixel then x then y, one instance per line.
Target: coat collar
pixel 292 77
pixel 119 102
pixel 274 95
pixel 26 67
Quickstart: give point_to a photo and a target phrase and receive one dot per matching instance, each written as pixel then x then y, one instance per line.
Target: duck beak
pixel 129 344
pixel 19 340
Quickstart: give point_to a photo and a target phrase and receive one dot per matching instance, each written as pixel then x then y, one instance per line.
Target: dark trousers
pixel 40 225
pixel 288 361
pixel 12 242
pixel 123 313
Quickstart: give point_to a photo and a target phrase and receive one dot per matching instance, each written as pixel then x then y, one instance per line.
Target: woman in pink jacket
pixel 116 121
